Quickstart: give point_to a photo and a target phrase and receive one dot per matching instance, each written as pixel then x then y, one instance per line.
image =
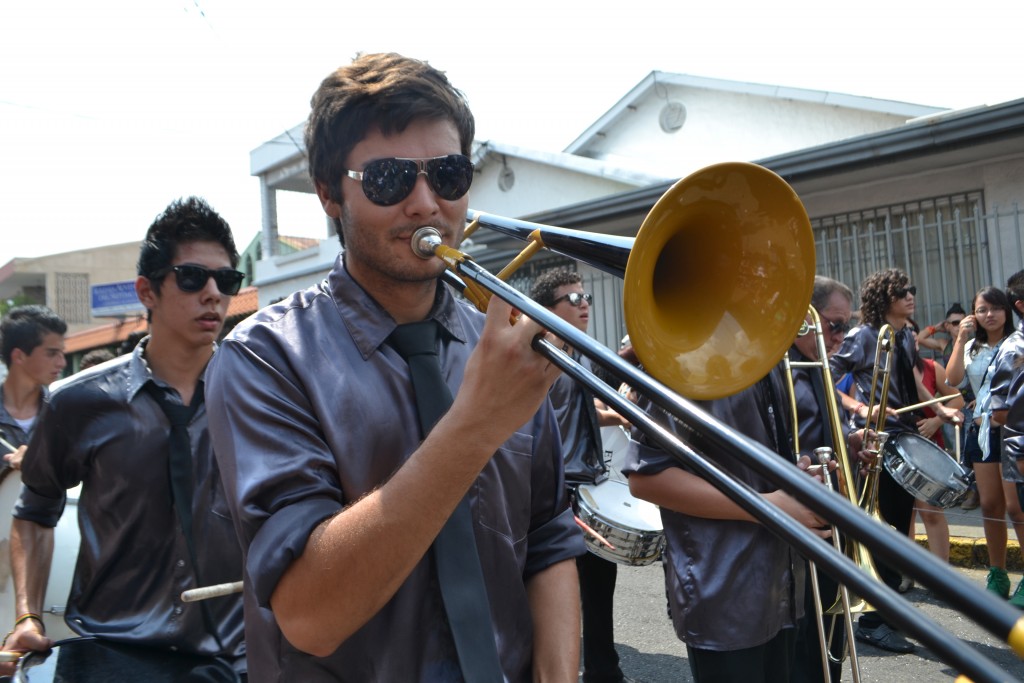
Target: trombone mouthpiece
pixel 424 241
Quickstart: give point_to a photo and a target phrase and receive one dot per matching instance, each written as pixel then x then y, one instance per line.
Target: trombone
pixel 874 423
pixel 854 550
pixel 741 226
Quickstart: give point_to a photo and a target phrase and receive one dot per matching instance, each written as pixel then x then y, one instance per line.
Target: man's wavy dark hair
pixel 877 293
pixel 543 289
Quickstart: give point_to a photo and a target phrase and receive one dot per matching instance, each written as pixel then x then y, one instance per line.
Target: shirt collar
pixel 139 373
pixel 367 321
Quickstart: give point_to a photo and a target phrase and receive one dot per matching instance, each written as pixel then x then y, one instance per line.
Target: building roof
pixel 104 335
pixel 658 79
pixel 298 243
pixel 493 152
pixel 242 305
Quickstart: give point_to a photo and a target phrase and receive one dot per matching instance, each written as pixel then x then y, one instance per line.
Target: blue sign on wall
pixel 115 299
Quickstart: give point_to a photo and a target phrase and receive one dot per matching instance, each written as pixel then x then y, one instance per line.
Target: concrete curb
pixel 972 553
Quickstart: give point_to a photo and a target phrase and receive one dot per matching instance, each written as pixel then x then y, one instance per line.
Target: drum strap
pixel 180 472
pixel 458 564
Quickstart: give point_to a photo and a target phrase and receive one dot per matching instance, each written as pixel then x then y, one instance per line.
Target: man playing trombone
pixel 815 427
pixel 384 542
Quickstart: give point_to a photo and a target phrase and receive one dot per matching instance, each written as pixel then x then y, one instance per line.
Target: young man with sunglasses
pixel 580 420
pixel 152 526
pixel 887 297
pixel 340 505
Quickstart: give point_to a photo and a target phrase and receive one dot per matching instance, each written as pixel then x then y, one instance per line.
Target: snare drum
pixel 632 525
pixel 66 540
pixel 87 660
pixel 925 470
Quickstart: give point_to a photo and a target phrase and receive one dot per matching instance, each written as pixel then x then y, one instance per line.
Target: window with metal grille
pixel 941 243
pixel 71 297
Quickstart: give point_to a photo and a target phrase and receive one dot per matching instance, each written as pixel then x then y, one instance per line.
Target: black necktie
pixel 179 465
pixel 458 564
pixel 180 458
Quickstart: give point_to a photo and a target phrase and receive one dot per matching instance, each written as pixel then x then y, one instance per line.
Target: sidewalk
pixel 967 547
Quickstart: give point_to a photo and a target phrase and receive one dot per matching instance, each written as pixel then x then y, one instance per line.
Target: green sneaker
pixel 1018 596
pixel 998 582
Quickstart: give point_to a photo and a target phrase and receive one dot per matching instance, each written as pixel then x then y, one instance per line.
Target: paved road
pixel 651 653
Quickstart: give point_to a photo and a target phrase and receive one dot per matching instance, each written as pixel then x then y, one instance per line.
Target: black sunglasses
pixel 194 278
pixel 388 181
pixel 837 326
pixel 902 292
pixel 574 299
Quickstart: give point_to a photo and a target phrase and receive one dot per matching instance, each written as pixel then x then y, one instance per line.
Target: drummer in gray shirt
pixel 336 498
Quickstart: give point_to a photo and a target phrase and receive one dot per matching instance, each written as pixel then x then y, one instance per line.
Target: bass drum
pixel 66 540
pixel 87 660
pixel 925 470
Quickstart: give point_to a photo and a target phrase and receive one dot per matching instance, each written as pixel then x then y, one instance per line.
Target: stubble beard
pixel 380 261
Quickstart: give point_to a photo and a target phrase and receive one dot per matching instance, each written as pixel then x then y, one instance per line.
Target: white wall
pixel 728 126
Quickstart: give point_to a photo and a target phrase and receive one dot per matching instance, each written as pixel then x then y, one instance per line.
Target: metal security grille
pixel 947 245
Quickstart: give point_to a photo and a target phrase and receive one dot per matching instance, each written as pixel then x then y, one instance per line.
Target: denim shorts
pixel 972 450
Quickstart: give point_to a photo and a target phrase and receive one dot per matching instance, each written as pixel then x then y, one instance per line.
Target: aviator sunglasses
pixel 837 327
pixel 574 299
pixel 388 181
pixel 194 278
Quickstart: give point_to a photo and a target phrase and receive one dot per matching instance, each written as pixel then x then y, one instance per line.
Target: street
pixel 651 653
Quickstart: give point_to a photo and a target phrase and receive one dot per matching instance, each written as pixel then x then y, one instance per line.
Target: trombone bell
pixel 718 279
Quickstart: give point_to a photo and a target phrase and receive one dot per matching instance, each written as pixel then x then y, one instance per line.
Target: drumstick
pixel 939 399
pixel 9 656
pixel 8 446
pixel 215 591
pixel 599 537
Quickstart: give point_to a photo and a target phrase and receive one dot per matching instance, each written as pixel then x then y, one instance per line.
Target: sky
pixel 110 110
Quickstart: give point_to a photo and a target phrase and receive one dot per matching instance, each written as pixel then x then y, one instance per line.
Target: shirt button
pixel 178 610
pixel 180 563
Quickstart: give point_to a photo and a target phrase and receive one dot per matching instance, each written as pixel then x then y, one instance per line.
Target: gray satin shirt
pixel 309 411
pixel 857 356
pixel 99 429
pixel 1004 367
pixel 10 430
pixel 1013 430
pixel 813 424
pixel 582 451
pixel 731 584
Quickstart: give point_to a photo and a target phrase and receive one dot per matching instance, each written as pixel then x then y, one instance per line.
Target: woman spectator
pixel 941 337
pixel 973 361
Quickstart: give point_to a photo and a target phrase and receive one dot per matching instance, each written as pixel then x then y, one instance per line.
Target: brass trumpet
pixel 742 229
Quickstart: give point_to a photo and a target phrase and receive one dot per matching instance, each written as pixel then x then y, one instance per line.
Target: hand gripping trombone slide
pixel 732 236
